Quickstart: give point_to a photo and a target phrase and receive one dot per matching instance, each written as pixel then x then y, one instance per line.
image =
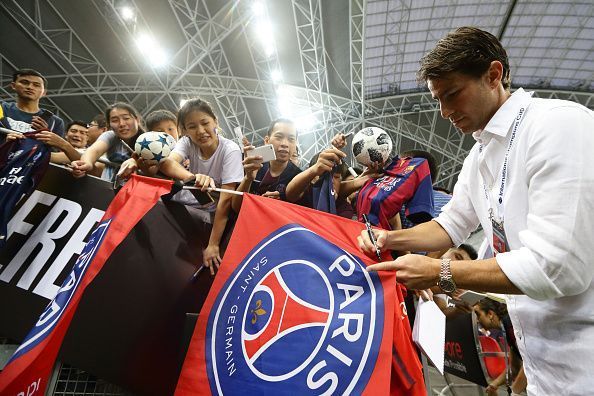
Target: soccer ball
pixel 371 145
pixel 154 145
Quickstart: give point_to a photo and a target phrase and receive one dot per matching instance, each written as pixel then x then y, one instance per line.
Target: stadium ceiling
pixel 333 65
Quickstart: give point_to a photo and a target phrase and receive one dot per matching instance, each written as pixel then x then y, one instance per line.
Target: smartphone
pixel 46 115
pixel 471 297
pixel 238 133
pixel 266 152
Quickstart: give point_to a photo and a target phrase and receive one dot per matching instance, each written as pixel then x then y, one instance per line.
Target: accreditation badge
pixel 499 239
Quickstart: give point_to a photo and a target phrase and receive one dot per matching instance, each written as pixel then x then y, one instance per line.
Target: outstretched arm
pixel 251 165
pixel 211 255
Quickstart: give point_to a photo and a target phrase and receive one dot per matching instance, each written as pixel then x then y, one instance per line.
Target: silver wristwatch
pixel 446 282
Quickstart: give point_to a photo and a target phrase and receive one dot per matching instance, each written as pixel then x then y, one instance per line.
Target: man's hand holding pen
pixel 372 238
pixel 369 246
pixel 412 270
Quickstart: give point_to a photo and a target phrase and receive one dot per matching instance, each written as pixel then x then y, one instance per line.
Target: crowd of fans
pixel 103 147
pixel 543 250
pixel 394 195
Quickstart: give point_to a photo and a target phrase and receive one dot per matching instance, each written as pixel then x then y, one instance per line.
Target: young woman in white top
pixel 126 126
pixel 214 161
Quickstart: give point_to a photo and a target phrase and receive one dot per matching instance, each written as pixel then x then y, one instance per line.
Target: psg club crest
pixel 299 315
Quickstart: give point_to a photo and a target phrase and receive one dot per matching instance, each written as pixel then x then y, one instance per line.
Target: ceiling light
pixel 182 102
pixel 307 122
pixel 258 8
pixel 264 31
pixel 276 75
pixel 283 90
pixel 158 57
pixel 146 43
pixel 285 107
pixel 151 50
pixel 127 13
pixel 269 50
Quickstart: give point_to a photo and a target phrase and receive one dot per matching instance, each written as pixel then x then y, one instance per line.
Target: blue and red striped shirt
pixel 405 180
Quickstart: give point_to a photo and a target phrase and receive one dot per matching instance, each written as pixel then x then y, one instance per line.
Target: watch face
pixel 447 285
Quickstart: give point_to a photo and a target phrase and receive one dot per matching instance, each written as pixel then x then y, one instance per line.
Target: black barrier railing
pixel 131 327
pixel 129 323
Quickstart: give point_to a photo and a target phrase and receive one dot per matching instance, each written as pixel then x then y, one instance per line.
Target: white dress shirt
pixel 548 211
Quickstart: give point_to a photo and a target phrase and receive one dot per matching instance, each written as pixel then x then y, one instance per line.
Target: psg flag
pixel 28 370
pixel 293 311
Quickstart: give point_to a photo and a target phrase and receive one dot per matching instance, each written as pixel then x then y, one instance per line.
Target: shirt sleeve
pixel 458 217
pixel 108 137
pixel 419 208
pixel 182 147
pixel 557 254
pixel 232 165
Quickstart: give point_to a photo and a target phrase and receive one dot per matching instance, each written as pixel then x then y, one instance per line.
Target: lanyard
pixel 499 203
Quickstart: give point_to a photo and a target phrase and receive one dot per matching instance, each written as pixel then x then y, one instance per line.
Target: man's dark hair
pixel 158 116
pixel 28 72
pixel 467 50
pixel 100 120
pixel 486 304
pixel 277 121
pixel 76 122
pixel 433 166
pixel 470 250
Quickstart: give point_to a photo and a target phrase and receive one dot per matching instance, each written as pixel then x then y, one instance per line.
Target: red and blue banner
pixel 293 311
pixel 28 370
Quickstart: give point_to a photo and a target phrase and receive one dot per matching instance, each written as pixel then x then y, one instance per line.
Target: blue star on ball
pixel 163 140
pixel 144 144
pixel 158 157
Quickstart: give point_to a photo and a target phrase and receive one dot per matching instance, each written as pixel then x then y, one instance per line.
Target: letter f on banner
pixel 32 362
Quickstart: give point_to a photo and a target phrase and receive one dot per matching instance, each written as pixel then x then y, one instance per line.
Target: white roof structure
pixel 333 65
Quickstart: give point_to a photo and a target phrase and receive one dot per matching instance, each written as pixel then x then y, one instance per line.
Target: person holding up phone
pixel 270 178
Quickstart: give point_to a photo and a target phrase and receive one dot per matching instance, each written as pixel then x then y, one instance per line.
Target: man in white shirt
pixel 529 181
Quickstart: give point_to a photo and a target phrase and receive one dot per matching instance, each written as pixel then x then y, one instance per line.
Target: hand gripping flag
pixel 293 311
pixel 29 368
